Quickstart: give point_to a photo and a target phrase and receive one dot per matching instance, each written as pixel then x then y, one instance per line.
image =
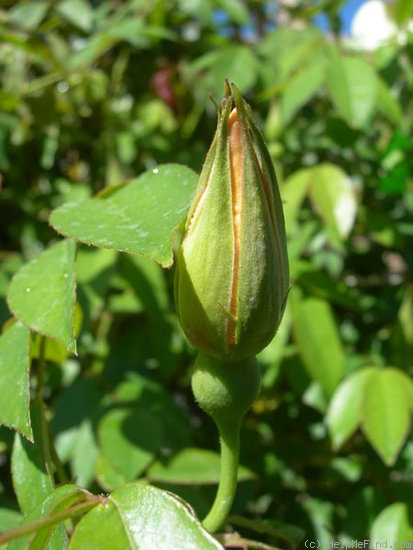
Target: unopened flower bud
pixel 232 267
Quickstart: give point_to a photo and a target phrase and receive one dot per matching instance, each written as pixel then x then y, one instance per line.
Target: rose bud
pixel 232 268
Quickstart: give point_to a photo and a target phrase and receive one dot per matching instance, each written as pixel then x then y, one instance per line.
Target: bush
pixel 96 94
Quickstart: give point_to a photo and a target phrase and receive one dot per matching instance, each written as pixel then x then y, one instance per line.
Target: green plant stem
pixel 37 525
pixel 50 456
pixel 40 371
pixel 44 431
pixel 229 440
pixel 225 391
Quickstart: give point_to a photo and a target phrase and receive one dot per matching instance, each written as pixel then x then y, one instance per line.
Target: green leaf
pixel 14 379
pixel 402 332
pixel 139 217
pixel 352 84
pixel 237 63
pixel 405 381
pixel 402 12
pixel 388 104
pixel 53 350
pixel 344 412
pixel 192 466
pixel 84 454
pixel 31 481
pixel 392 524
pixel 9 518
pixel 301 88
pixel 289 50
pixel 138 33
pixel 148 283
pixel 108 477
pixel 89 54
pixel 386 412
pixel 129 440
pixel 317 340
pixel 236 10
pixel 94 270
pixel 321 514
pixel 271 357
pixel 42 293
pixel 293 192
pixel 28 15
pixel 76 412
pixel 138 516
pixel 77 12
pixel 198 9
pixel 334 198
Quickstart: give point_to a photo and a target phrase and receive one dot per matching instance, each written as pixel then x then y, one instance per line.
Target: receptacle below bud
pixel 232 268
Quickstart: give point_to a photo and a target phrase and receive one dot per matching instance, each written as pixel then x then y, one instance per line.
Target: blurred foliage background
pixel 96 92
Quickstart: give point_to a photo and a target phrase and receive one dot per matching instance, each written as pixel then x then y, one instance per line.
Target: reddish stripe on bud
pixel 236 171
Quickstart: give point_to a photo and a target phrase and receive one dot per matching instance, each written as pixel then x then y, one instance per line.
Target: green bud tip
pixel 232 268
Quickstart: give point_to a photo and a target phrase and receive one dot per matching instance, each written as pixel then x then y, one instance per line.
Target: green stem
pixel 37 525
pixel 40 370
pixel 44 432
pixel 229 439
pixel 225 391
pixel 50 456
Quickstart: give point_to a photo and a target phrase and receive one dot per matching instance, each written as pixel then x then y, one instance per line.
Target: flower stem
pixel 229 439
pixel 225 391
